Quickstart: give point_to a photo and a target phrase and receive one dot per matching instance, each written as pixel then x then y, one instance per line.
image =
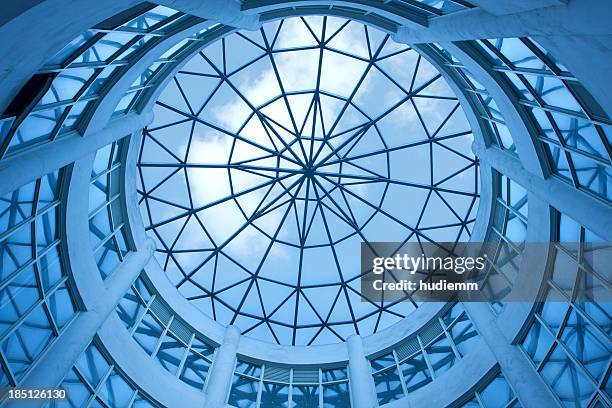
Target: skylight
pixel 275 153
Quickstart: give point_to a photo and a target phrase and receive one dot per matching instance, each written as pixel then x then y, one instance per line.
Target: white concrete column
pixel 222 370
pixel 528 385
pixel 582 207
pixel 533 269
pixel 51 369
pixel 33 163
pixel 363 393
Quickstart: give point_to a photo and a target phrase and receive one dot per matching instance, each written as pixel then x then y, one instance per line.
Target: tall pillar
pixel 363 394
pixel 33 163
pixel 222 371
pixel 528 385
pixel 51 369
pixel 578 205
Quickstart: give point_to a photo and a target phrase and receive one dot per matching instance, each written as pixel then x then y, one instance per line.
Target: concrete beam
pixel 38 32
pixel 578 18
pixel 391 11
pixel 33 163
pixel 501 7
pixel 223 11
pixel 585 209
pixel 363 393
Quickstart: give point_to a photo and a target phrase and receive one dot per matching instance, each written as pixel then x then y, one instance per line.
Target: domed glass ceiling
pixel 275 153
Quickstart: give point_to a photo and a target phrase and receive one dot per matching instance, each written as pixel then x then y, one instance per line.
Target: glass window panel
pixel 61 306
pixel 596 255
pixel 244 392
pixel 26 343
pixel 142 289
pixel 586 344
pixel 305 396
pixel 148 333
pixel 129 308
pixel 553 313
pixel 580 134
pixel 549 56
pixel 36 127
pixel 537 343
pixel 566 380
pixel 105 47
pixel 18 297
pixel 553 92
pixel 170 353
pixel 195 370
pixel 141 402
pixel 473 403
pixel 248 369
pixel 74 115
pixel 441 355
pixel 124 102
pixel 107 258
pixel 382 362
pixel 559 161
pixel 497 394
pixel 46 230
pixel 388 386
pixel 334 374
pixel 416 373
pixel 464 335
pixel 100 80
pixel 135 47
pixel 336 396
pixel 523 92
pixel 99 227
pixel 92 365
pixel 150 18
pixel 70 48
pixel 202 348
pixel 78 393
pixel 496 43
pixel 67 84
pixel 116 392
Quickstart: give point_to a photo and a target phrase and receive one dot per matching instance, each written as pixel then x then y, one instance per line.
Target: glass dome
pixel 182 202
pixel 275 153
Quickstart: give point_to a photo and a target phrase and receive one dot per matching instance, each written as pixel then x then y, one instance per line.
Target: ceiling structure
pixel 184 185
pixel 275 153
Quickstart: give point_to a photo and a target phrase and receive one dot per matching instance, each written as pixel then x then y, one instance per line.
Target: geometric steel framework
pixel 275 153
